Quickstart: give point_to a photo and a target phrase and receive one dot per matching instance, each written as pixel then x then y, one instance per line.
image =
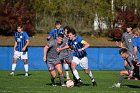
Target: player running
pixel 78 45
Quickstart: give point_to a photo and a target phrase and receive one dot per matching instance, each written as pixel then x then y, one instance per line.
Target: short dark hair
pixel 61 35
pixel 131 25
pixel 123 50
pixel 66 27
pixel 58 22
pixel 71 30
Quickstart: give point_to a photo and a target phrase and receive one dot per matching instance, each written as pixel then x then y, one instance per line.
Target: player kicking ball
pixel 78 45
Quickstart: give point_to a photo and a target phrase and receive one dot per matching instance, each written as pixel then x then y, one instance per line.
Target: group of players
pixel 58 51
pixel 129 46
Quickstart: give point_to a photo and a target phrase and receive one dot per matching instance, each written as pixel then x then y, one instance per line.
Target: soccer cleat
pixel 80 82
pixel 116 85
pixel 94 83
pixel 26 74
pixel 128 78
pixel 12 74
pixel 54 85
pixel 63 85
pixel 138 64
pixel 67 77
pixel 135 78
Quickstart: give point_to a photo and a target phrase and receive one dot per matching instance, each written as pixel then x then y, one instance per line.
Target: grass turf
pixel 39 82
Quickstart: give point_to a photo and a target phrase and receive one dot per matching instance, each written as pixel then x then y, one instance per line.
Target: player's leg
pixel 51 69
pixel 58 67
pixel 136 72
pixel 15 57
pixel 84 65
pixel 53 75
pixel 24 56
pixel 25 66
pixel 122 73
pixel 66 67
pixel 127 67
pixel 74 64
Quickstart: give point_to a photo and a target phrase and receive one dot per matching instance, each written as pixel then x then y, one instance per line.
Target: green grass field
pixel 39 82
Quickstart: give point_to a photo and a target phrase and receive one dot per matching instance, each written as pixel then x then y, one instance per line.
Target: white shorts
pixel 83 62
pixel 21 55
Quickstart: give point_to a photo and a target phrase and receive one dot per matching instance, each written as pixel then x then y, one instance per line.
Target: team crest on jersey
pixel 20 36
pixel 75 43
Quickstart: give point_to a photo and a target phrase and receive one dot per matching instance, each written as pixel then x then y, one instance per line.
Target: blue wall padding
pixel 99 59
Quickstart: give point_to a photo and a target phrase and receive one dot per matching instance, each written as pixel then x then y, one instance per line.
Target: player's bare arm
pixel 135 53
pixel 45 52
pixel 15 45
pixel 27 43
pixel 86 45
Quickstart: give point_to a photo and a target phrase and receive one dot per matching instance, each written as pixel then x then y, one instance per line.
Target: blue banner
pixel 99 59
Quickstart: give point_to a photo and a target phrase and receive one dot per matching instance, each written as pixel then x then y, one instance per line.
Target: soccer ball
pixel 69 83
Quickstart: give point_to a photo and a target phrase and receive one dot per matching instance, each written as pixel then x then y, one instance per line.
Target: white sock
pixel 66 66
pixel 13 67
pixel 119 84
pixel 26 68
pixel 90 75
pixel 76 74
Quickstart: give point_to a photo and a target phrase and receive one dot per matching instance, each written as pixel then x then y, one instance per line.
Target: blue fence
pixel 99 59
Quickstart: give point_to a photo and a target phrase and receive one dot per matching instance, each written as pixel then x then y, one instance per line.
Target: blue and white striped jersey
pixel 21 39
pixel 55 32
pixel 75 45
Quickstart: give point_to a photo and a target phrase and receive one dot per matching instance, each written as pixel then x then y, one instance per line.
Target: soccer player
pixel 65 54
pixel 51 56
pixel 132 66
pixel 20 49
pixel 57 30
pixel 126 42
pixel 136 43
pixel 78 45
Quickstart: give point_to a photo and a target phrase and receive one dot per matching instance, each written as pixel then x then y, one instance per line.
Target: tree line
pixel 39 16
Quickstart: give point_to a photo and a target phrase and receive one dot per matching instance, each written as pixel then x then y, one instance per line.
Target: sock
pixel 53 80
pixel 62 80
pixel 66 66
pixel 13 67
pixel 76 74
pixel 26 68
pixel 119 84
pixel 120 79
pixel 90 75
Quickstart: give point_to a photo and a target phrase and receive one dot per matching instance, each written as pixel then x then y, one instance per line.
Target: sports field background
pixel 39 82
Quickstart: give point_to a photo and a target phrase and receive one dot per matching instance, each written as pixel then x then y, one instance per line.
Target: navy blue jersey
pixel 55 32
pixel 21 39
pixel 75 45
pixel 136 43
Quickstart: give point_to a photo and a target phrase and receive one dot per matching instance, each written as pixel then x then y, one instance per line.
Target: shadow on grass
pixel 58 84
pixel 22 74
pixel 132 86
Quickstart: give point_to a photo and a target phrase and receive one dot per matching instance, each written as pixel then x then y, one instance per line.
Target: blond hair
pixel 136 31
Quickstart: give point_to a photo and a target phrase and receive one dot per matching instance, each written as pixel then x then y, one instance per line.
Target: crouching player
pixel 132 72
pixel 51 56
